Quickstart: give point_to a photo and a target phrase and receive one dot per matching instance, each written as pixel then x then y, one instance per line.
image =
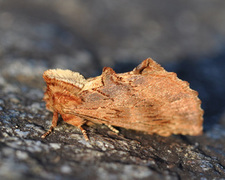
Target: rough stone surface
pixel 186 37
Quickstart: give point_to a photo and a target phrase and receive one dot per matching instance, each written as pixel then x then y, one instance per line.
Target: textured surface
pixel 186 37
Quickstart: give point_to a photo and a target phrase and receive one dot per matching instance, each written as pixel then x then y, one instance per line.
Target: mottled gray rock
pixel 84 36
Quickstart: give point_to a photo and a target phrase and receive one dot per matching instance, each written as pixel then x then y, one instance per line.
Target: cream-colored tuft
pixel 67 76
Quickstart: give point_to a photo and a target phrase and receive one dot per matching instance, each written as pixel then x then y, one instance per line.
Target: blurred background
pixel 187 37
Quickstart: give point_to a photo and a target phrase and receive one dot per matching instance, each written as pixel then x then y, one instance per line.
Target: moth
pixel 147 99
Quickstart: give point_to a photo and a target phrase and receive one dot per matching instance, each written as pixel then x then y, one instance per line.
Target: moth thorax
pixel 66 76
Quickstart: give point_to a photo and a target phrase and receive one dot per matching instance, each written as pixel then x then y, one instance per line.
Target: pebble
pixel 66 169
pixel 20 133
pixel 21 155
pixel 55 146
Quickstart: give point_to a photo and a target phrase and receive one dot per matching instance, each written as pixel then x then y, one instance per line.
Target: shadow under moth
pixel 147 99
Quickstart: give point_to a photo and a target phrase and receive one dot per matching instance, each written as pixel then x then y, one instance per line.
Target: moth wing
pixel 147 99
pixel 179 106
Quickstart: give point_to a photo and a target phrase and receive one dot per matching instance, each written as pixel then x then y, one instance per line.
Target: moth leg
pixel 54 124
pixel 112 128
pixel 84 133
pixel 76 121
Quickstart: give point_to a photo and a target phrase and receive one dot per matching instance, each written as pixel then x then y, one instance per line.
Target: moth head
pixel 63 87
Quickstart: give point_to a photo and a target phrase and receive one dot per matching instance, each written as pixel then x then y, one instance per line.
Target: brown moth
pixel 147 99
